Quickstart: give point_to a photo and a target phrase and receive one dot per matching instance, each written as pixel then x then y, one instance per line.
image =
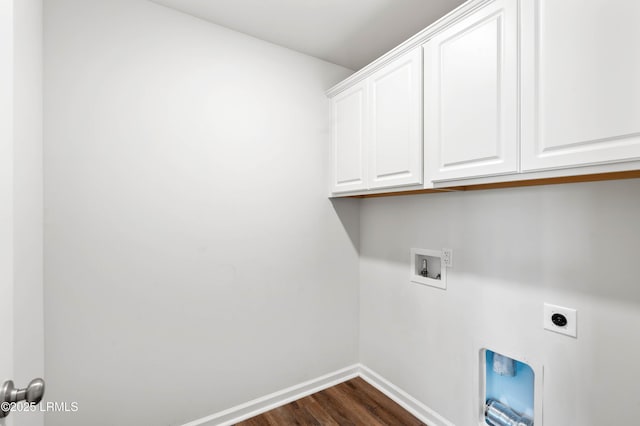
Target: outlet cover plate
pixel 570 329
pixel 447 257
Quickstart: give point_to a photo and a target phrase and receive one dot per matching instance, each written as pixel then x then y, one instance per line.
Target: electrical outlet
pixel 561 320
pixel 447 257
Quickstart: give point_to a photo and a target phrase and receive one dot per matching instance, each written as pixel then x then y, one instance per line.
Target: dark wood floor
pixel 355 402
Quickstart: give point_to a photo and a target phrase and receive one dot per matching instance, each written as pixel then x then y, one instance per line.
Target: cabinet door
pixel 349 139
pixel 395 155
pixel 580 82
pixel 471 95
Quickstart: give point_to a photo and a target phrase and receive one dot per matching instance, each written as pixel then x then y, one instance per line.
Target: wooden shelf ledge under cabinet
pixel 633 174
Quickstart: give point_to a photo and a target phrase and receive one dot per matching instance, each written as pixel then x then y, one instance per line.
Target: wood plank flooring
pixel 352 403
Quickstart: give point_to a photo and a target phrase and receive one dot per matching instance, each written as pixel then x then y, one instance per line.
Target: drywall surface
pixel 572 245
pixel 192 259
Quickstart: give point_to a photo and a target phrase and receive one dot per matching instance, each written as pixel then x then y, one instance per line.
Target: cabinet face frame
pixel 401 116
pixel 544 147
pixel 500 16
pixel 357 140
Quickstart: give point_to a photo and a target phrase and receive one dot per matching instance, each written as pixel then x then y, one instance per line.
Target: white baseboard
pixel 269 402
pixel 422 412
pixel 258 406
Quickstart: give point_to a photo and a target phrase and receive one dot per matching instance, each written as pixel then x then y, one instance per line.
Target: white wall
pixel 192 258
pixel 574 245
pixel 193 262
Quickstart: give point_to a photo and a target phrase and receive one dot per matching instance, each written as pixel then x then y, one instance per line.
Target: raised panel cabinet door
pixel 471 95
pixel 580 82
pixel 395 156
pixel 349 139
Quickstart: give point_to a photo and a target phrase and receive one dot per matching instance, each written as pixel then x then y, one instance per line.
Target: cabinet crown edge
pixel 417 40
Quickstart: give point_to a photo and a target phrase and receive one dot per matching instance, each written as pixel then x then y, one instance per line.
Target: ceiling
pixel 350 33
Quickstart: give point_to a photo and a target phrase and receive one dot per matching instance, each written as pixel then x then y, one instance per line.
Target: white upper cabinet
pixel 471 95
pixel 395 93
pixel 349 139
pixel 580 82
pixel 377 129
pixel 506 90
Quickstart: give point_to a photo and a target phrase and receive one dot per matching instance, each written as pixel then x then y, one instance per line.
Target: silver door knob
pixel 33 394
